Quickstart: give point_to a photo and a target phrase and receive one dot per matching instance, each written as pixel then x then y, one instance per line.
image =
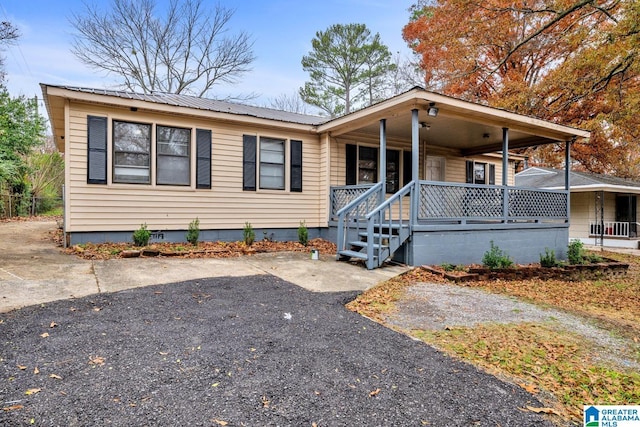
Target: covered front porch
pixel 457 189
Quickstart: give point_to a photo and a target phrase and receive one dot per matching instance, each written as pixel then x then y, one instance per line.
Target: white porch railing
pixel 611 229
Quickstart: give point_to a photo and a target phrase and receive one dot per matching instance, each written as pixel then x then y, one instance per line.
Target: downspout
pixel 567 170
pixel 382 171
pixel 415 163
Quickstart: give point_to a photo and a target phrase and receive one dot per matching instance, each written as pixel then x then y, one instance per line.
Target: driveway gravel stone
pixel 254 350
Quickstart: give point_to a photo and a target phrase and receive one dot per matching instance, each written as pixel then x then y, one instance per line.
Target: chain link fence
pixel 13 205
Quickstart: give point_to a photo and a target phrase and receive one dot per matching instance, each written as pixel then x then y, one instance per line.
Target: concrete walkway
pixel 34 271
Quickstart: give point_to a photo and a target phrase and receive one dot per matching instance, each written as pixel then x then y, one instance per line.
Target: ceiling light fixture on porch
pixel 432 110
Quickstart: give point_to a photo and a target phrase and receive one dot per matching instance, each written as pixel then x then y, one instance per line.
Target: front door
pixel 435 168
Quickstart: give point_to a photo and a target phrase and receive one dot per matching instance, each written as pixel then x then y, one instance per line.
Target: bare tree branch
pixel 186 51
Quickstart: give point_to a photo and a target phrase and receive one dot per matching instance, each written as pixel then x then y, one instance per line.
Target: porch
pixel 429 222
pixel 430 179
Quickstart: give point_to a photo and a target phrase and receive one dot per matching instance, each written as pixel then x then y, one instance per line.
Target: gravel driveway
pixel 252 351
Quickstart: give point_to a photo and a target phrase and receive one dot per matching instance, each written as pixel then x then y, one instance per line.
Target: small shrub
pixel 447 267
pixel 548 260
pixel 141 236
pixel 193 233
pixel 575 252
pixel 248 235
pixel 303 234
pixel 594 258
pixel 496 258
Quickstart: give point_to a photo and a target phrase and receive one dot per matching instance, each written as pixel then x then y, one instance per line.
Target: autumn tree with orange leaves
pixel 574 62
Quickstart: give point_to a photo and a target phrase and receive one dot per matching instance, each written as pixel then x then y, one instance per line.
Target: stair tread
pixel 377 235
pixel 353 254
pixel 393 226
pixel 362 244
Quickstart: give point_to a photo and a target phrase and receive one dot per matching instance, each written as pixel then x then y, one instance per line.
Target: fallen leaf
pixel 55 377
pixel 220 422
pixel 12 408
pixel 45 335
pixel 531 388
pixel 36 371
pixel 53 324
pixel 215 384
pixel 314 425
pixel 265 402
pixel 21 367
pixel 96 360
pixel 96 309
pixel 543 410
pixel 374 392
pixel 32 391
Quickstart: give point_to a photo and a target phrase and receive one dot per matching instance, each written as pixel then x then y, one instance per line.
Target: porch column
pixel 567 170
pixel 505 156
pixel 415 144
pixel 382 170
pixel 415 163
pixel 505 174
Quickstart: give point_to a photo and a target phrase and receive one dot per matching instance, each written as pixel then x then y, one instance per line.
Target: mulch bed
pixel 202 250
pixel 607 268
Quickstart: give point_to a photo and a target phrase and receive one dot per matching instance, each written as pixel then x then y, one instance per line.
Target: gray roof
pixel 537 177
pixel 206 104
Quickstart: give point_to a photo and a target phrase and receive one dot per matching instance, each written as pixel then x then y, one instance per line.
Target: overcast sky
pixel 282 31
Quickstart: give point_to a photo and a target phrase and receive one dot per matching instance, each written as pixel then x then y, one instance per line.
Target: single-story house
pixel 603 209
pixel 422 178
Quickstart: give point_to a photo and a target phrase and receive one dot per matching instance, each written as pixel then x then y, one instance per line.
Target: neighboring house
pixel 603 208
pixel 420 177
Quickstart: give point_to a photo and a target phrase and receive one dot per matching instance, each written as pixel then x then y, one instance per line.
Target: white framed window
pixel 173 162
pixel 272 163
pixel 131 152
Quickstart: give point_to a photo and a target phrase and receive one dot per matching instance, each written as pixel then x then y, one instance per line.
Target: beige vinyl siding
pixel 123 207
pixel 455 166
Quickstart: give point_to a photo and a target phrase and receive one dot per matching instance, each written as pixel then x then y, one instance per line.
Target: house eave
pixel 545 132
pixel 55 96
pixel 599 187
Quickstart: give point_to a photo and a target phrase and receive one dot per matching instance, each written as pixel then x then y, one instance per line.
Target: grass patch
pixel 540 357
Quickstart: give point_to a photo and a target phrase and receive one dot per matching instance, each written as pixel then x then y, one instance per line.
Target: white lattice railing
pixel 462 202
pixel 609 228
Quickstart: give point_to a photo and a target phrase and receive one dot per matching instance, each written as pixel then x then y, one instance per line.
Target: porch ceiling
pixel 456 133
pixel 465 126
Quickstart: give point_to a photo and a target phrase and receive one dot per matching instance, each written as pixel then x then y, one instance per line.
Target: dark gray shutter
pixel 407 167
pixel 249 149
pixel 492 175
pixel 469 171
pixel 96 150
pixel 351 159
pixel 296 165
pixel 203 158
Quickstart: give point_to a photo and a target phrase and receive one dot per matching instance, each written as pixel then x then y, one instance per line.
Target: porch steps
pixel 385 240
